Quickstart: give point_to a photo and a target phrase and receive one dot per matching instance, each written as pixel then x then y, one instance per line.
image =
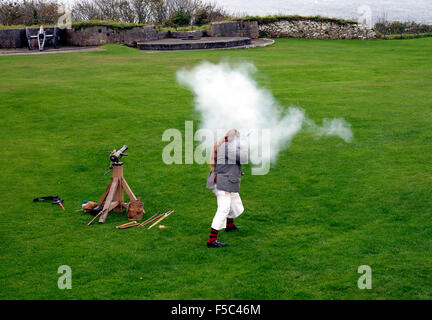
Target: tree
pixel 162 12
pixel 142 10
pixel 85 10
pixel 29 12
pixel 10 13
pixel 208 13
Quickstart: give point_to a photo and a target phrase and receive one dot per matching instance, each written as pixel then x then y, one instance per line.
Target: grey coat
pixel 230 156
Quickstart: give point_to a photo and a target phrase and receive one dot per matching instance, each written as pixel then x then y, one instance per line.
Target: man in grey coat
pixel 224 180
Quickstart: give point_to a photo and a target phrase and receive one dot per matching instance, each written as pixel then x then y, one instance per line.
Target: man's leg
pixel 219 220
pixel 236 209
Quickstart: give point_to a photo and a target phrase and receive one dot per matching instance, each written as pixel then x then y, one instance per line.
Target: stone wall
pixel 84 36
pixel 197 34
pixel 99 35
pixel 235 29
pixel 16 38
pixel 315 30
pixel 12 38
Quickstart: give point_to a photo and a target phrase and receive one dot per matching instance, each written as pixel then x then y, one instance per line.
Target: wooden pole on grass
pixel 164 215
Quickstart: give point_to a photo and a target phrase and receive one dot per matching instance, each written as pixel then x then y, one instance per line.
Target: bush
pixel 406 36
pixel 112 24
pixel 179 19
pixel 209 13
pixel 396 27
pixel 29 12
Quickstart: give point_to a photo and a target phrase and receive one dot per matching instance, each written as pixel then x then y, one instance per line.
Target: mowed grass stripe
pixel 325 208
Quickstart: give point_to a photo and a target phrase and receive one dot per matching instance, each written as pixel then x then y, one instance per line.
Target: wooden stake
pixel 95 217
pixel 128 189
pixel 129 226
pixel 109 199
pixel 150 221
pixel 125 224
pixel 157 214
pixel 136 224
pixel 102 198
pixel 165 215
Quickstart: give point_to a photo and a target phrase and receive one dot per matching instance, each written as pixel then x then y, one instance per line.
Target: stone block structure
pixel 99 35
pixel 235 29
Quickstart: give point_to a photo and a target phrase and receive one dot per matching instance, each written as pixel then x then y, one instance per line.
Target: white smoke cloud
pixel 228 97
pixel 335 127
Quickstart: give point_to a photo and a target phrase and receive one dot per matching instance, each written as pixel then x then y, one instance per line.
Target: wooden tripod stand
pixel 114 194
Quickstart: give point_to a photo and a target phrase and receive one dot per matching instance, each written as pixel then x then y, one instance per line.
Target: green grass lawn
pixel 325 208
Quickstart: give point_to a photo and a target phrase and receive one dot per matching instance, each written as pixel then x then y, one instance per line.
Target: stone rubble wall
pixel 315 30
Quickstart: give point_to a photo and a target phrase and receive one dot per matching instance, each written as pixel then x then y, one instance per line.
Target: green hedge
pixel 112 24
pixel 405 36
pixel 271 19
pixel 2 27
pixel 188 28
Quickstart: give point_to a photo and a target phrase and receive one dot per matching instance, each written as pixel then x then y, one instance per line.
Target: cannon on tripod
pixel 113 197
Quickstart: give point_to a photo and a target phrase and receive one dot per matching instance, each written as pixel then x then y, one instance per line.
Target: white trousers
pixel 229 206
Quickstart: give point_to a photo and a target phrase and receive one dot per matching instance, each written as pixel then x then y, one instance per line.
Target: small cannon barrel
pixel 116 155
